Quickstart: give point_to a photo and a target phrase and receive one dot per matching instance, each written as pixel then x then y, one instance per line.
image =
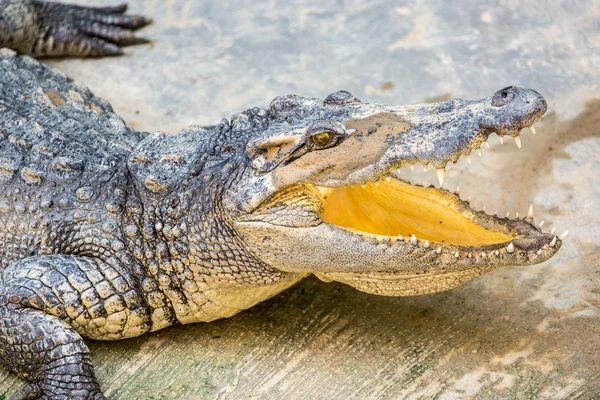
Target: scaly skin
pixel 108 233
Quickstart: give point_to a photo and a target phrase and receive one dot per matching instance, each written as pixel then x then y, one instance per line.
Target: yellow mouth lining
pixel 398 208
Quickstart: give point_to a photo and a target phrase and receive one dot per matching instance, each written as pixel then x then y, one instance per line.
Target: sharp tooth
pixel 468 157
pixel 387 178
pixel 469 255
pixel 553 230
pixel 457 191
pixel 441 173
pixel 364 186
pixel 386 239
pixel 510 248
pixel 483 255
pixel 425 167
pixel 541 224
pixel 496 253
pixel 496 213
pixel 517 140
pixel 438 250
pixel 412 167
pixel 517 215
pixel 456 254
pixel 532 129
pixel 530 212
pixel 487 145
pixel 426 244
pixel 501 139
pixel 469 199
pixel 376 183
pixel 564 235
pixel 553 242
pixel 479 152
pixel 508 214
pixel 400 238
pixel 413 239
pixel 372 236
pixel 483 209
pixel 538 252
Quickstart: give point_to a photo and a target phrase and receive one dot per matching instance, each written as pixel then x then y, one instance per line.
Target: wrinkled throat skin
pixel 319 195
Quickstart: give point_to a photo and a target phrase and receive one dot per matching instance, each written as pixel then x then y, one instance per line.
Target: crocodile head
pixel 319 195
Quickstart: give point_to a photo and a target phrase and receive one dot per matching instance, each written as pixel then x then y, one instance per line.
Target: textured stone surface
pixel 515 333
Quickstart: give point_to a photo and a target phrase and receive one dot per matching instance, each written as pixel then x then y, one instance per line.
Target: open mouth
pixel 394 208
pixel 391 209
pixel 394 212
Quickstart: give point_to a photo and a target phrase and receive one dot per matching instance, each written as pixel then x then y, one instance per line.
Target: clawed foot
pixel 70 30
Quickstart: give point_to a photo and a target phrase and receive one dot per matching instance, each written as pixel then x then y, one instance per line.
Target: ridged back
pixel 53 130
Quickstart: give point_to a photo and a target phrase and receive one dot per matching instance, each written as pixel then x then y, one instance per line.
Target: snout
pixel 513 108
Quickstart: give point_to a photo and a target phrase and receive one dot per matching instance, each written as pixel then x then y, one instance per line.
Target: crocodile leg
pixel 47 29
pixel 47 303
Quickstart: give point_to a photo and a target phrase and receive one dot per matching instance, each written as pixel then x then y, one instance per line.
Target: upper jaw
pixel 438 133
pixel 382 138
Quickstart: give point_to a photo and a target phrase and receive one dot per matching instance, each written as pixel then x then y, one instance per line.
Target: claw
pixel 114 34
pixel 133 22
pixel 118 9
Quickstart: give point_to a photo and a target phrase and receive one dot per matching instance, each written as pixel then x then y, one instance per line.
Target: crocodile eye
pixel 323 134
pixel 321 139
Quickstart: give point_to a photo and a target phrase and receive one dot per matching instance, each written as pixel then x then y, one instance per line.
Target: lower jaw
pixel 406 284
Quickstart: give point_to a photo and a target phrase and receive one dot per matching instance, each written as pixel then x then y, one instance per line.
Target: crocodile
pixel 109 233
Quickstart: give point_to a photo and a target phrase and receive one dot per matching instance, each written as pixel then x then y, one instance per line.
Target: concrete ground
pixel 516 333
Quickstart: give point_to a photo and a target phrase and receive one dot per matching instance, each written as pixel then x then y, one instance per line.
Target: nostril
pixel 504 96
